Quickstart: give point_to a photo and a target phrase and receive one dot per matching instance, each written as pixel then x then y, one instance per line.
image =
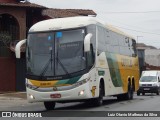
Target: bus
pixel 79 59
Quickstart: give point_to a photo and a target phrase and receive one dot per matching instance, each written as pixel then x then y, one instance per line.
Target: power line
pixel 130 12
pixel 119 22
pixel 137 30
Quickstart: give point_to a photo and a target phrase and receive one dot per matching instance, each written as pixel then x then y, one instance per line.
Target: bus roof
pixel 71 22
pixel 62 23
pixel 110 27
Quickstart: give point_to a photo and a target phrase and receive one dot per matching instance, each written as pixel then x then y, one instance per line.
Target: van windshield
pixel 148 79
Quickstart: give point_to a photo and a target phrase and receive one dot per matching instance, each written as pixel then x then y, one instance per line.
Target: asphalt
pixel 20 95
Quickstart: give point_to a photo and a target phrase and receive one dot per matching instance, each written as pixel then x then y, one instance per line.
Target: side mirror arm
pixel 87 41
pixel 18 48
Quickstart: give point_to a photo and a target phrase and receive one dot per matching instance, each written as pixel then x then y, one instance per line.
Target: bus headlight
pixel 81 93
pixel 31 96
pixel 80 82
pixel 31 86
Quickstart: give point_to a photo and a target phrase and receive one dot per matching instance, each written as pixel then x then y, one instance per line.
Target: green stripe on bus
pixel 114 69
pixel 68 81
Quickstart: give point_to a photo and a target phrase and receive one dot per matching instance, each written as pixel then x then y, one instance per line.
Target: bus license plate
pixel 55 95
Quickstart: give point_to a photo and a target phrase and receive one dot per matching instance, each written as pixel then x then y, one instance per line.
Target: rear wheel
pixel 138 93
pixel 129 94
pixel 120 97
pixel 49 105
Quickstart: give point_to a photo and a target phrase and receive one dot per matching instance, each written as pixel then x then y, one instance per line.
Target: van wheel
pixel 49 105
pixel 157 93
pixel 138 93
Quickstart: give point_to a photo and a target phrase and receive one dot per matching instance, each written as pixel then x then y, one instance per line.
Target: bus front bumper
pixel 79 93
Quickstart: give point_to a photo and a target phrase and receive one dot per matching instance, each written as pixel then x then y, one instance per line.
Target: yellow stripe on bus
pixel 43 83
pixel 128 67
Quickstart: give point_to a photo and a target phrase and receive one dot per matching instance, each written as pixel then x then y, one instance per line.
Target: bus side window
pixel 90 56
pixel 134 48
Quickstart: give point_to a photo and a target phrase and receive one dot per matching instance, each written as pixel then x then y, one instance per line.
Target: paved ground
pixel 21 95
pixel 11 99
pixel 17 102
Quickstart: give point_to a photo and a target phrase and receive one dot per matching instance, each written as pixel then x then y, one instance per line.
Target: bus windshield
pixel 55 53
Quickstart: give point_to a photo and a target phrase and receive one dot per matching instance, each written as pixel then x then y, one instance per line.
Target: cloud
pixel 138 21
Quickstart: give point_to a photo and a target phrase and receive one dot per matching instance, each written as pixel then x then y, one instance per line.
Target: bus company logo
pixel 6 114
pixel 93 90
pixel 55 88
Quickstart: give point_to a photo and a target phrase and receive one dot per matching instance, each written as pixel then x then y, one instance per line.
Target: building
pixel 149 57
pixel 152 59
pixel 16 17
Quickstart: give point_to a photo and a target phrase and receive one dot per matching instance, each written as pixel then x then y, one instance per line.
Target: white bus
pixel 78 59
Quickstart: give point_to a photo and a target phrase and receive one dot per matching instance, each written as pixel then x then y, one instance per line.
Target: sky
pixel 139 18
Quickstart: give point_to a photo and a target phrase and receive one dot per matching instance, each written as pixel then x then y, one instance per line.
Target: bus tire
pixel 99 101
pixel 49 105
pixel 138 93
pixel 120 97
pixel 129 94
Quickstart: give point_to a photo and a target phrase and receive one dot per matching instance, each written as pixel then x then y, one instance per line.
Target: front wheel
pixel 99 101
pixel 49 105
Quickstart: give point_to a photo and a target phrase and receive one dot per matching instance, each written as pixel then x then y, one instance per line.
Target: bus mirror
pixel 18 48
pixel 87 41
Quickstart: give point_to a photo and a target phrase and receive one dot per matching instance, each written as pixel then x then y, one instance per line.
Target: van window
pixel 148 79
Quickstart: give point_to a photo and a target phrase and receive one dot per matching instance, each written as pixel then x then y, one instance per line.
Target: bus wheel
pixel 49 105
pixel 129 94
pixel 120 97
pixel 138 93
pixel 99 101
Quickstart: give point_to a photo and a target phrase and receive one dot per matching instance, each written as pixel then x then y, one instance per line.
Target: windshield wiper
pixel 51 61
pixel 45 69
pixel 47 65
pixel 58 60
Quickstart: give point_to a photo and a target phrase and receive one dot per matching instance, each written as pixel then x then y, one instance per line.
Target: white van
pixel 149 82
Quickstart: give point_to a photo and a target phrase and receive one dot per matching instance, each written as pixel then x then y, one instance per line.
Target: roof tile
pixel 59 13
pixel 22 4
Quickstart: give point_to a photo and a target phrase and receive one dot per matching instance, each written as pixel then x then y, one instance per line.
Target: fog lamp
pixel 31 96
pixel 81 92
